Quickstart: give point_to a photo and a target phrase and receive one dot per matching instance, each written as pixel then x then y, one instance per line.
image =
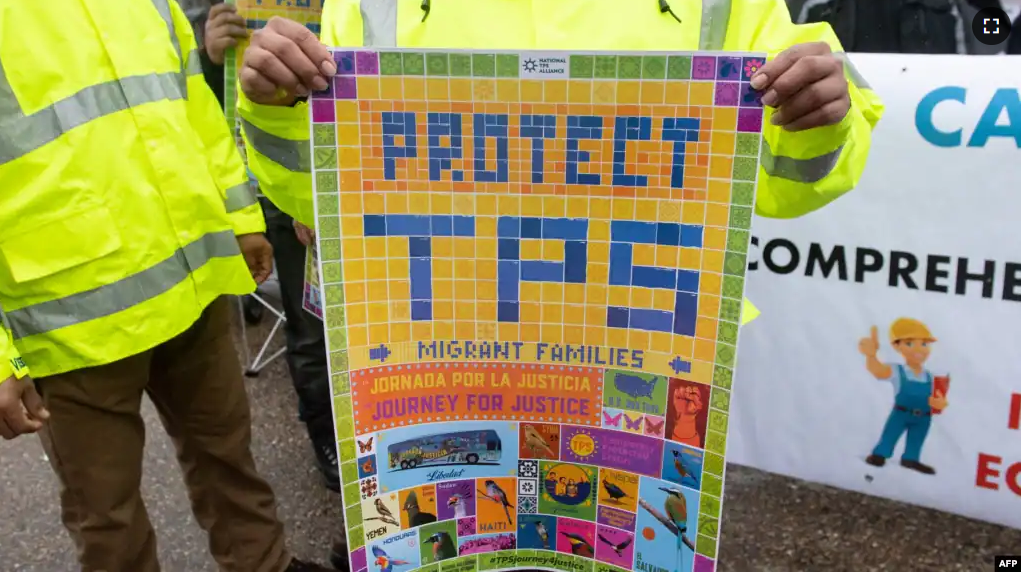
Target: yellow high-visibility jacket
pixel 800 172
pixel 121 188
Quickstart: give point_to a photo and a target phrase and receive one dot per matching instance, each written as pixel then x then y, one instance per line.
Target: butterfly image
pixel 612 421
pixel 726 69
pixel 750 97
pixel 635 425
pixel 366 446
pixel 653 428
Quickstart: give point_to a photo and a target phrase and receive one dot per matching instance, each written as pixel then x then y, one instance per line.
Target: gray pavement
pixel 771 523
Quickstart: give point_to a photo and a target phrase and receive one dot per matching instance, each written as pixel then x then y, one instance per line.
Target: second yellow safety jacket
pixel 800 172
pixel 122 191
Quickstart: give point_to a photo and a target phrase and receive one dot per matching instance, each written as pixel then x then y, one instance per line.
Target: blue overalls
pixel 911 415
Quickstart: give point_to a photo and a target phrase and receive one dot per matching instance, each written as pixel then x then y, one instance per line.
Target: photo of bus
pixel 482 447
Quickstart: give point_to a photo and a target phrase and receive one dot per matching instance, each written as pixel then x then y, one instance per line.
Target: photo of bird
pixel 497 495
pixel 384 562
pixel 457 502
pixel 542 533
pixel 416 517
pixel 385 515
pixel 536 444
pixel 614 492
pixel 443 546
pixel 617 546
pixel 580 546
pixel 684 472
pixel 676 508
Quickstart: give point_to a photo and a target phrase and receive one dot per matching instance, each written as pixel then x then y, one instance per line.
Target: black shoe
pixel 876 460
pixel 326 460
pixel 339 555
pixel 299 566
pixel 919 467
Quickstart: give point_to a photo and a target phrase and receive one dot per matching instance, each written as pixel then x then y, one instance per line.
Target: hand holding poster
pixel 533 267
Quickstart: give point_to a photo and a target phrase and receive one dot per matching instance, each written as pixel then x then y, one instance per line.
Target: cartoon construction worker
pixel 914 398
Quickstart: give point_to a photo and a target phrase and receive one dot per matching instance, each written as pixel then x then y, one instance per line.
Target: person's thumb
pixel 34 403
pixel 873 335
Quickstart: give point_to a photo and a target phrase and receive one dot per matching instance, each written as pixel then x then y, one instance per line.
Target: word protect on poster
pixel 532 272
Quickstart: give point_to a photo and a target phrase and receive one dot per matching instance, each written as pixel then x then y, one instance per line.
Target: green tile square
pixel 716 443
pixel 329 250
pixel 725 354
pixel 334 296
pixel 722 377
pixel 717 421
pixel 654 67
pixel 331 272
pixel 679 67
pixel 436 64
pixel 744 169
pixel 605 67
pixel 341 384
pixel 326 182
pixel 323 134
pixel 429 568
pixel 709 505
pixel 329 227
pixel 349 473
pixel 334 318
pixel 741 217
pixel 743 194
pixel 734 264
pixel 712 485
pixel 507 65
pixel 460 65
pixel 706 546
pixel 727 332
pixel 730 309
pixel 484 65
pixel 328 204
pixel 346 450
pixel 342 406
pixel 412 63
pixel 720 399
pixel 339 360
pixel 747 145
pixel 581 67
pixel 352 493
pixel 732 287
pixel 709 527
pixel 356 538
pixel 713 464
pixel 738 240
pixel 462 564
pixel 390 63
pixel 344 431
pixel 629 67
pixel 353 515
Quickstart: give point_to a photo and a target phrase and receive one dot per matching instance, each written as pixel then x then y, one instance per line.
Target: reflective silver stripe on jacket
pixel 21 134
pixel 239 197
pixel 125 293
pixel 713 26
pixel 292 154
pixel 798 170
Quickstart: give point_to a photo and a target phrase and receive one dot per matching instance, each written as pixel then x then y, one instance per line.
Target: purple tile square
pixel 728 68
pixel 750 66
pixel 750 97
pixel 327 93
pixel 323 111
pixel 345 87
pixel 702 564
pixel 345 63
pixel 750 119
pixel 367 63
pixel 358 559
pixel 704 67
pixel 726 93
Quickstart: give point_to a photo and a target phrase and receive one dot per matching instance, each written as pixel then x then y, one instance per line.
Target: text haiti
pixel 541 351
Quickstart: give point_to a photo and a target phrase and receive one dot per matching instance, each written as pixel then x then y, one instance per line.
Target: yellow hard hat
pixel 910 329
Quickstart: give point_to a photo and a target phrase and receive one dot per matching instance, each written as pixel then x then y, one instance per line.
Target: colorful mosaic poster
pixel 256 13
pixel 312 296
pixel 533 267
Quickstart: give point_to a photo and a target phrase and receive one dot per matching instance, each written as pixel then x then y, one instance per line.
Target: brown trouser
pixel 95 436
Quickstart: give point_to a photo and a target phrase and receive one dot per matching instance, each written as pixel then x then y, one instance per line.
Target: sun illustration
pixel 583 445
pixel 529 65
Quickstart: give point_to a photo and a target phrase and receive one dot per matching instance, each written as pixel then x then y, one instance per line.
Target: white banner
pixel 927 251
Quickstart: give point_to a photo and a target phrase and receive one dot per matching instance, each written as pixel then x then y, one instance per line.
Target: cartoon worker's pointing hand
pixel 915 400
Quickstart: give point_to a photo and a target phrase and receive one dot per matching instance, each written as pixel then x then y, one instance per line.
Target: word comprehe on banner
pixel 939 273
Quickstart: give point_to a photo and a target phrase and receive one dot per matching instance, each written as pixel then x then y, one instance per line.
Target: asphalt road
pixel 771 523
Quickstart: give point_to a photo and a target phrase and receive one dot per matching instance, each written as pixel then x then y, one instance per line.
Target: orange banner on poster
pixel 431 392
